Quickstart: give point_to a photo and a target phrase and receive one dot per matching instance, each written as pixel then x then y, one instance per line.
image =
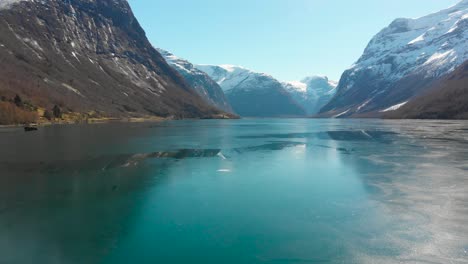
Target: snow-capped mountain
pixel 207 88
pixel 402 61
pixel 312 93
pixel 89 56
pixel 253 94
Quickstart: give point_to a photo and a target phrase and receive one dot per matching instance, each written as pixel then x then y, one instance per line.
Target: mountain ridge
pixel 89 56
pixel 207 88
pixel 401 61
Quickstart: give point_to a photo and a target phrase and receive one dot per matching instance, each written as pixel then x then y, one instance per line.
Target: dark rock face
pixel 447 98
pixel 206 87
pixel 369 100
pixel 87 55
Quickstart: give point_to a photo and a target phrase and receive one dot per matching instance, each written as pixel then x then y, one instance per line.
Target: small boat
pixel 30 128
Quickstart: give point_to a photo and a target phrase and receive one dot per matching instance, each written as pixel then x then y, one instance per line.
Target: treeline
pixel 16 111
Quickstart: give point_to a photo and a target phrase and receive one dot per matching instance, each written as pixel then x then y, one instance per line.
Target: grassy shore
pixel 90 118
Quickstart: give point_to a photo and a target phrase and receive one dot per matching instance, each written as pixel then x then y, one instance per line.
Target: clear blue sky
pixel 289 39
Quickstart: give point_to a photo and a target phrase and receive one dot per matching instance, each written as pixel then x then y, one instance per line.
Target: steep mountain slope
pixel 401 61
pixel 312 93
pixel 200 81
pixel 446 99
pixel 253 94
pixel 87 55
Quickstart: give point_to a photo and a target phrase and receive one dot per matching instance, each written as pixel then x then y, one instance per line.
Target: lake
pixel 236 191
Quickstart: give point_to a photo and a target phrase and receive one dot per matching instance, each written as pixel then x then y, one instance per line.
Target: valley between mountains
pixel 91 59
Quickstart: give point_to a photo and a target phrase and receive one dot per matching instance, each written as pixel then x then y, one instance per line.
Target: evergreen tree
pixel 57 111
pixel 47 115
pixel 18 101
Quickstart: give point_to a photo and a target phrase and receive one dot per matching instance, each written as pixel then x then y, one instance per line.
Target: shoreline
pixel 95 121
pixel 90 122
pixel 160 119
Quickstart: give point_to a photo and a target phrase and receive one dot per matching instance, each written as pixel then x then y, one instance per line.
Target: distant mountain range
pixel 89 56
pixel 93 56
pixel 253 94
pixel 401 62
pixel 312 93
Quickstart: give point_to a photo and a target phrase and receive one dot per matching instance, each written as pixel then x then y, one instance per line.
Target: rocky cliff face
pixel 312 93
pixel 206 87
pixel 253 94
pixel 88 55
pixel 446 99
pixel 402 61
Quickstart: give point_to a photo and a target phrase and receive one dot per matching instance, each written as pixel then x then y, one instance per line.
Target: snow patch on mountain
pixel 179 63
pixel 296 86
pixel 394 107
pixel 341 114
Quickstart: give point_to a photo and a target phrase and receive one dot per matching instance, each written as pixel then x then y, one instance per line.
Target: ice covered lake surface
pixel 242 191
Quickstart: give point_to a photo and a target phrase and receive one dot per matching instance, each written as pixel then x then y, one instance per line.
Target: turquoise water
pixel 242 191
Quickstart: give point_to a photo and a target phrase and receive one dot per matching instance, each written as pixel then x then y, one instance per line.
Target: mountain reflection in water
pixel 242 191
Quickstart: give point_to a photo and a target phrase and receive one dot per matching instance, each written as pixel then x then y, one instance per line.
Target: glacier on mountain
pixel 312 93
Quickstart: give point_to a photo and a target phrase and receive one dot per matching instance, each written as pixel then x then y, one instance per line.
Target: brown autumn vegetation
pixel 122 76
pixel 12 114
